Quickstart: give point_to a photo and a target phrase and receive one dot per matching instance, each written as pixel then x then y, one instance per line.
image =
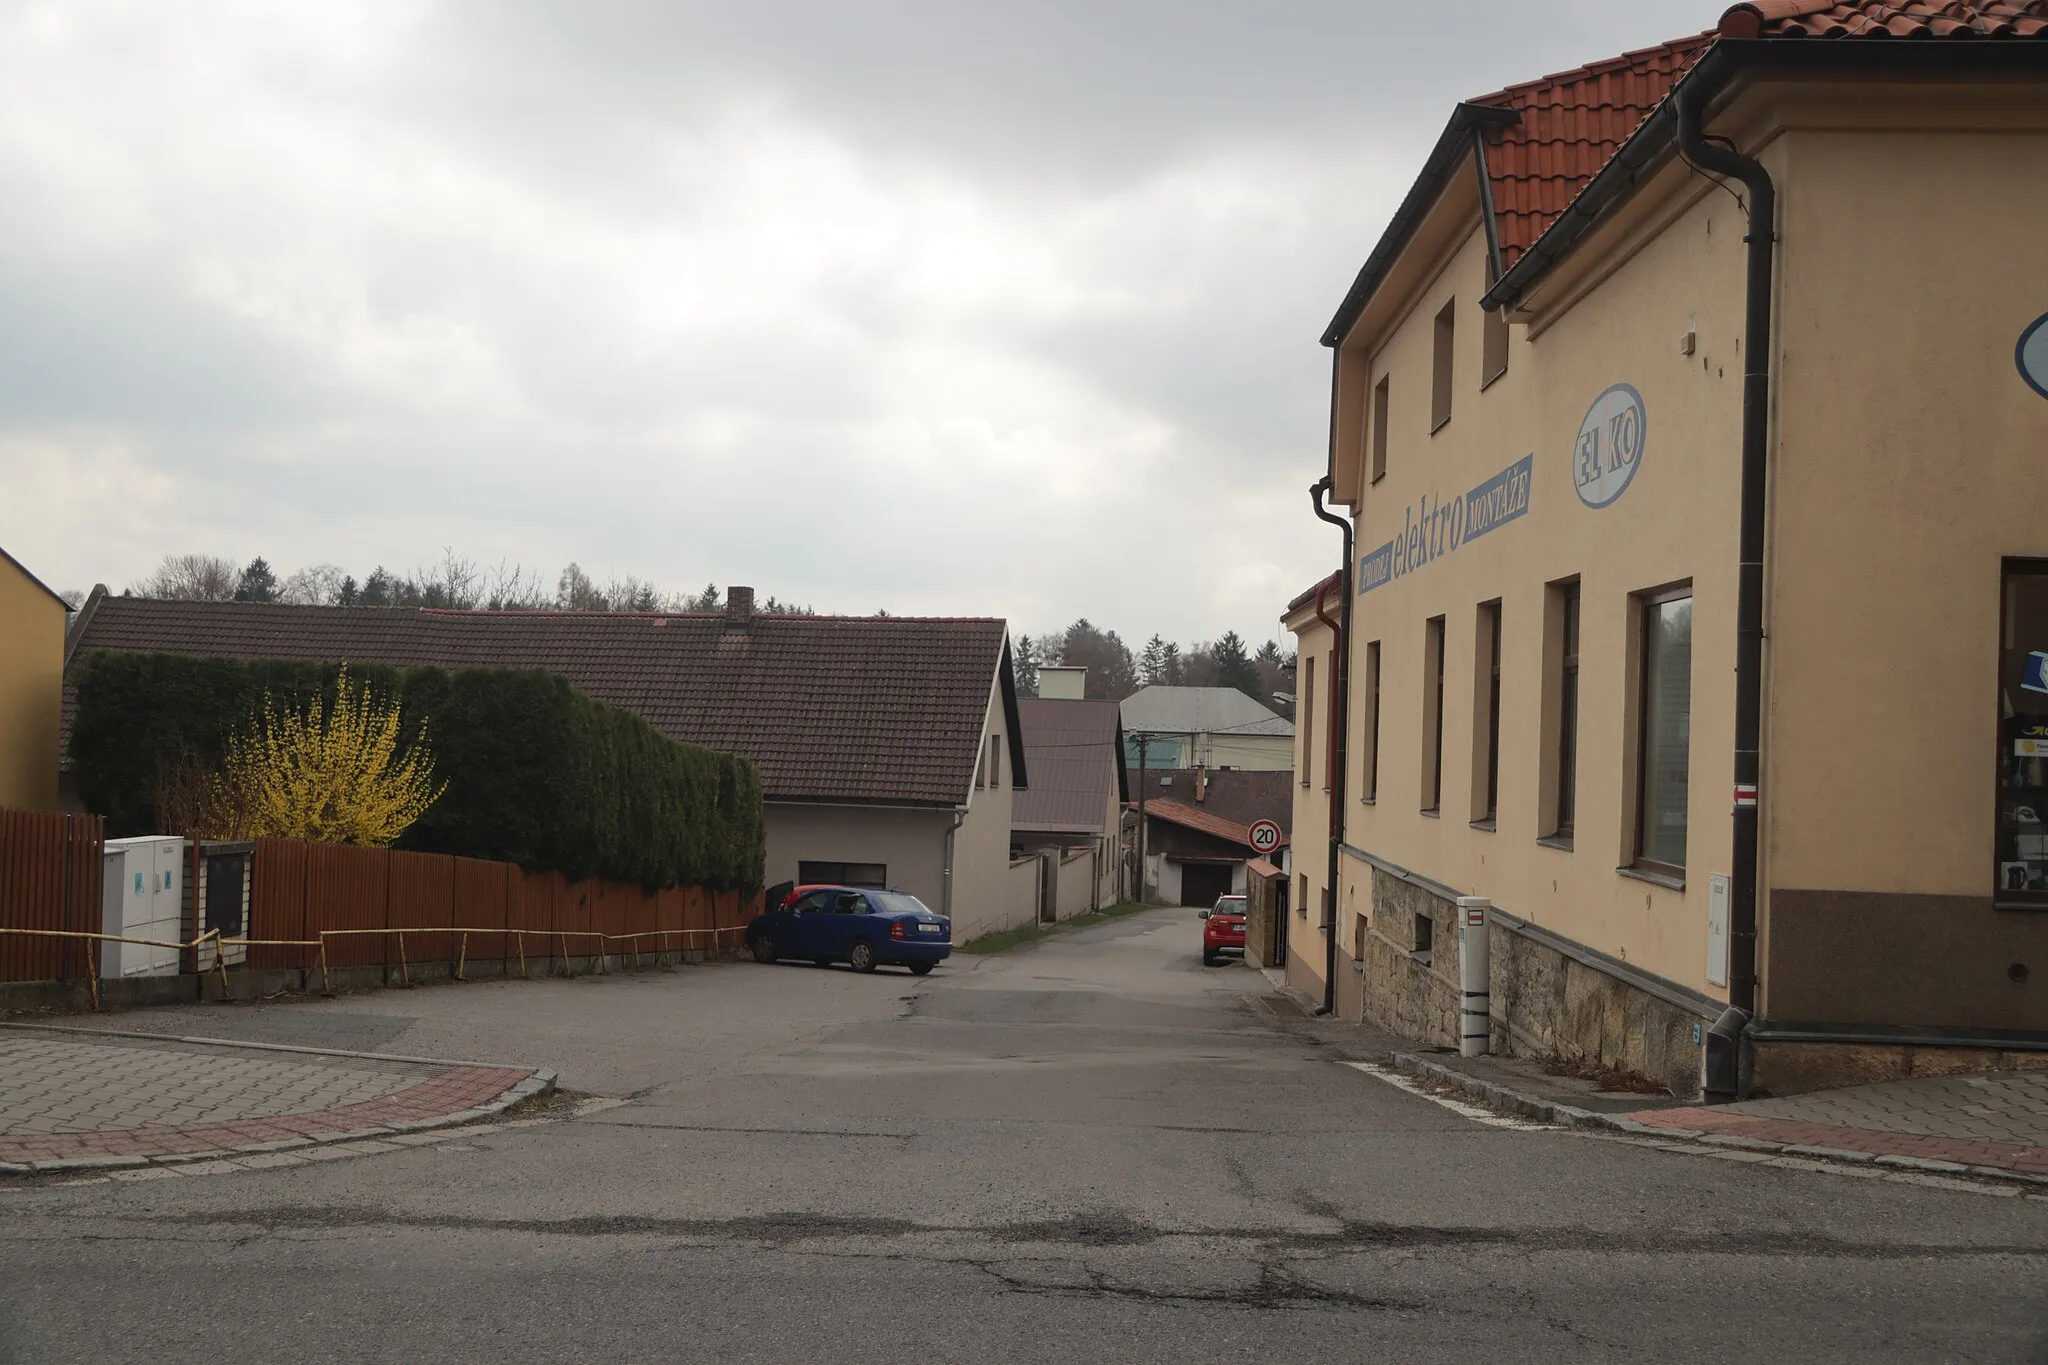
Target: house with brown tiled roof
pixel 1071 816
pixel 889 747
pixel 1685 454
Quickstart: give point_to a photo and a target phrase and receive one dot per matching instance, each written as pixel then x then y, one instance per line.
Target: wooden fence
pixel 50 881
pixel 300 889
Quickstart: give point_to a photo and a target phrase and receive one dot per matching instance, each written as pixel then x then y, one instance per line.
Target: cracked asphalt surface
pixel 1093 1149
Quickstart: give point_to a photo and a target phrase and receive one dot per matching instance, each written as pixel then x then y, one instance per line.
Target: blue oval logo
pixel 2032 355
pixel 1610 446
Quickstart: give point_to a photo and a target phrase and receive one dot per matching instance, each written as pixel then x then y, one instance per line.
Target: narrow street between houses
pixel 1094 1148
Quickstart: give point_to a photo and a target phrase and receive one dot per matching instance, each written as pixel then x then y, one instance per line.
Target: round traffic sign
pixel 1265 836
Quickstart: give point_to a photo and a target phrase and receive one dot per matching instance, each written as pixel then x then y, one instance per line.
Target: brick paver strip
pixel 69 1099
pixel 2007 1156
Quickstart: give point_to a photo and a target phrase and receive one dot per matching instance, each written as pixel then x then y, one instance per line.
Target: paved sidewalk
pixel 72 1099
pixel 1993 1123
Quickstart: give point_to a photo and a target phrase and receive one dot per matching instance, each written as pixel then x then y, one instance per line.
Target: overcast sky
pixel 939 306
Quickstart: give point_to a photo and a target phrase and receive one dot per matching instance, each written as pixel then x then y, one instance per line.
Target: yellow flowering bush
pixel 331 772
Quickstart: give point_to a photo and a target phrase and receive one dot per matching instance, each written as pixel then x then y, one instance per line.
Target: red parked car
pixel 1223 929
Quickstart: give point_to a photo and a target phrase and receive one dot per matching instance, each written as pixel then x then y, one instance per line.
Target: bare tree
pixel 510 587
pixel 191 578
pixel 574 591
pixel 319 586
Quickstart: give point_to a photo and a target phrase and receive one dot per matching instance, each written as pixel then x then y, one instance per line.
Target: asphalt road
pixel 1094 1149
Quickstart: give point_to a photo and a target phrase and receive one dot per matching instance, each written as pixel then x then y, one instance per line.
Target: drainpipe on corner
pixel 1340 695
pixel 1722 1064
pixel 946 882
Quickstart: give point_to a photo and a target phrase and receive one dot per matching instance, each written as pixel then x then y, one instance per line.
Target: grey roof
pixel 1076 753
pixel 1201 710
pixel 887 710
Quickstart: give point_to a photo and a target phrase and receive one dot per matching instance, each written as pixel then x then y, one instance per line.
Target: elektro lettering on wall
pixel 1439 527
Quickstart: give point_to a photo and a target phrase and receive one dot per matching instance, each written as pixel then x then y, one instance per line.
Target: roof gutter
pixel 1451 146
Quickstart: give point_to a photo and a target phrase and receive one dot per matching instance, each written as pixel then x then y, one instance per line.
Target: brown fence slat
pixel 349 888
pixel 422 896
pixel 277 903
pixel 483 893
pixel 49 879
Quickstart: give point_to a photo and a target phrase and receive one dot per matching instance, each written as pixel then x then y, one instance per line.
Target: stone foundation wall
pixel 1546 1003
pixel 1784 1068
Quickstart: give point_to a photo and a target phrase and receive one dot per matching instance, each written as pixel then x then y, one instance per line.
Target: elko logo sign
pixel 2032 355
pixel 1610 446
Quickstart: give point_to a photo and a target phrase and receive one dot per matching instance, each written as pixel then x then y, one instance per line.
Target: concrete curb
pixel 537 1083
pixel 1570 1116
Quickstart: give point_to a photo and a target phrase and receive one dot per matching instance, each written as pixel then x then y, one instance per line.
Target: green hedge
pixel 537 773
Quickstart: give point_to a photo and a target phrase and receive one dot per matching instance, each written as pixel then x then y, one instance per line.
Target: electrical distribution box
pixel 143 897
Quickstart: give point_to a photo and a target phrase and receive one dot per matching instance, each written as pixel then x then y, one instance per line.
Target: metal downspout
pixel 1749 614
pixel 1340 692
pixel 946 883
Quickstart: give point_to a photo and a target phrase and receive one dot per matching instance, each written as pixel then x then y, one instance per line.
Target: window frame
pixel 2006 796
pixel 1486 641
pixel 1443 378
pixel 1381 394
pixel 1567 602
pixel 1493 347
pixel 1433 639
pixel 1307 726
pixel 1370 793
pixel 1645 604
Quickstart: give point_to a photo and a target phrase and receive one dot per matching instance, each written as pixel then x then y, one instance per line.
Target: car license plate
pixel 929 928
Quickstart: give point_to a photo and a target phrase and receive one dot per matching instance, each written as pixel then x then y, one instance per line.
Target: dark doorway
pixel 1202 883
pixel 1280 922
pixel 227 876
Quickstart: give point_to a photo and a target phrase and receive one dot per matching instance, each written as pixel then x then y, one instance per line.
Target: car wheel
pixel 1208 957
pixel 861 957
pixel 922 968
pixel 764 949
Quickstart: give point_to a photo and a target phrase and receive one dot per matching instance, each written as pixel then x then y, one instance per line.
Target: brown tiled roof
pixel 1546 139
pixel 1568 125
pixel 873 709
pixel 1805 19
pixel 1075 749
pixel 1238 795
pixel 1186 816
pixel 1327 586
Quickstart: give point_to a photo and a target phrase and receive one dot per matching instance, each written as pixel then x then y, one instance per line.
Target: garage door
pixel 1202 883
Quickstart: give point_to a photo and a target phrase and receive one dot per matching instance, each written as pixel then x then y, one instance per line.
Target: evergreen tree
pixel 1024 662
pixel 257 584
pixel 1152 663
pixel 1269 653
pixel 1170 665
pixel 1234 667
pixel 349 593
pixel 376 589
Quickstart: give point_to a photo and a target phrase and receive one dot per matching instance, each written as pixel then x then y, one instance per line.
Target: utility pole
pixel 1143 738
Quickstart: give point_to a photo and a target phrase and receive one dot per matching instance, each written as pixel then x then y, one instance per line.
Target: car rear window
pixel 898 903
pixel 1230 905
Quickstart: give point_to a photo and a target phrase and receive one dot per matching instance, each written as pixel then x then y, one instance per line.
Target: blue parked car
pixel 864 929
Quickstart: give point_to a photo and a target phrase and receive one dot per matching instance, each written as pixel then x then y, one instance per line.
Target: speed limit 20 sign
pixel 1265 836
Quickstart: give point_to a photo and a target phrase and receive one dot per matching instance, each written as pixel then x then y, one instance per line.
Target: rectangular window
pixel 1308 720
pixel 1379 430
pixel 1493 347
pixel 874 876
pixel 981 769
pixel 1486 715
pixel 1433 715
pixel 1372 723
pixel 1664 744
pixel 2022 768
pixel 1441 376
pixel 1301 901
pixel 1425 936
pixel 1565 599
pixel 995 760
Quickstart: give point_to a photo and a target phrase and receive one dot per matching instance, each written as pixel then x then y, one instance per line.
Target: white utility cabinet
pixel 143 896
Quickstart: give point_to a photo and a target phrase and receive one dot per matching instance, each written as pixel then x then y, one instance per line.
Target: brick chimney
pixel 739 608
pixel 1201 785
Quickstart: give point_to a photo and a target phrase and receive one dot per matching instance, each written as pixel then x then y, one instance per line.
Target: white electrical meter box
pixel 143 896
